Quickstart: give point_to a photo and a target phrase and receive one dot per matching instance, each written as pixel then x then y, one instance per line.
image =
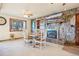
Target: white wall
pixel 4 29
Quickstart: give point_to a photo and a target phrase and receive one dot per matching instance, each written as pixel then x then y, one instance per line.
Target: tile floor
pixel 19 48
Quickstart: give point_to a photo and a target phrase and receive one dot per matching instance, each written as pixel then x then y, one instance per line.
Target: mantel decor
pixel 2 20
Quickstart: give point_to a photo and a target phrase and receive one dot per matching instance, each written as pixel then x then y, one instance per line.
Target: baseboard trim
pixel 10 39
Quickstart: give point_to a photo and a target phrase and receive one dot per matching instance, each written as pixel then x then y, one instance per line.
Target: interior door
pixel 77 29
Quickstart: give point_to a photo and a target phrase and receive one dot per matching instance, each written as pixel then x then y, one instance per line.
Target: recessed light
pixel 51 3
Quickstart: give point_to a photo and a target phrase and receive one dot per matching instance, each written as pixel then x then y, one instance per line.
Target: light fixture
pixel 51 3
pixel 26 16
pixel 53 16
pixel 64 4
pixel 27 13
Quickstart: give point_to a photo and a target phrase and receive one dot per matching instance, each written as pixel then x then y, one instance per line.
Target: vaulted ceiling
pixel 37 9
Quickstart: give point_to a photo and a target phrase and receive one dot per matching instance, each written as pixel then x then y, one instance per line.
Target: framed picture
pixel 17 25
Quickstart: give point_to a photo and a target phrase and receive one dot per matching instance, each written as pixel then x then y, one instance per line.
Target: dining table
pixel 35 41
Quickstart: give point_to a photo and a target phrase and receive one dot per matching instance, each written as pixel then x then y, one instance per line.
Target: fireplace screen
pixel 52 34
